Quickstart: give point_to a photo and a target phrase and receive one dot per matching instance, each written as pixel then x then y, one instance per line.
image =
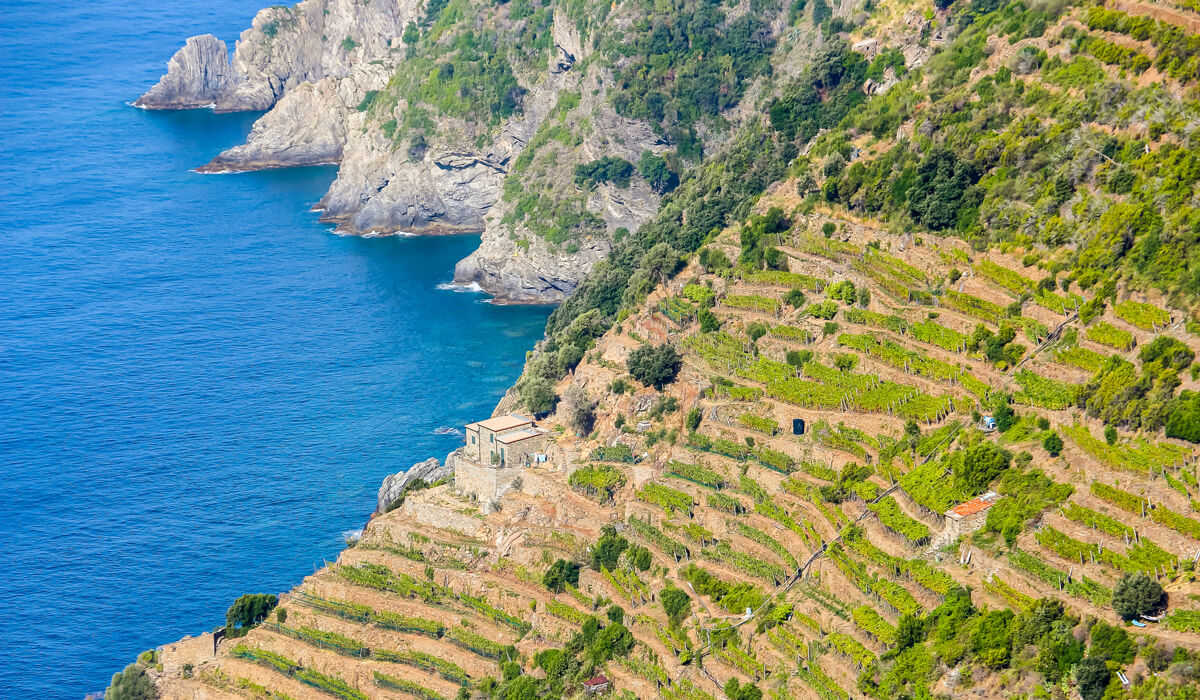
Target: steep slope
pixel 946 216
pixel 835 540
pixel 429 106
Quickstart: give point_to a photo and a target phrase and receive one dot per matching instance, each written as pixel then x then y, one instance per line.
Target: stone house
pixel 504 440
pixel 494 459
pixel 966 517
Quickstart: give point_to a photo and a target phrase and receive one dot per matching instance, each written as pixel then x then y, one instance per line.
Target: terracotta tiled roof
pixel 598 680
pixel 509 438
pixel 502 423
pixel 976 505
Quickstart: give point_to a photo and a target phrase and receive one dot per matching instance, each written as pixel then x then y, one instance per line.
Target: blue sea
pixel 201 386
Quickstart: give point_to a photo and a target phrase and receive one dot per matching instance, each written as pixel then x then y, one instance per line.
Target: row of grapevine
pixel 864 317
pixel 330 685
pixel 406 686
pixel 755 535
pixel 1013 281
pixel 870 621
pixel 697 474
pixel 929 331
pixel 1107 334
pixel 656 537
pixel 752 302
pixel 973 306
pixel 426 662
pixel 666 498
pixel 598 481
pixel 785 279
pixel 1077 587
pixel 1144 316
pixel 1080 357
pixel 367 615
pixel 1037 390
pixel 1015 599
pixel 896 520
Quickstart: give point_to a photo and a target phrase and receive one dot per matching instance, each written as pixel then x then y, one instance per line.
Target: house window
pixel 491 438
pixel 472 439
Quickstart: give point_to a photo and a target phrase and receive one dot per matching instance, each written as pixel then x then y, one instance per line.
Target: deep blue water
pixel 200 386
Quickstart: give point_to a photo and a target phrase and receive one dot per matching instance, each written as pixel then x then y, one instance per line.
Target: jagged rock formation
pixel 284 48
pixel 345 83
pixel 393 486
pixel 196 76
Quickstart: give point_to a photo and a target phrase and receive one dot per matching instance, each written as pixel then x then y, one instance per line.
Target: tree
pixel 864 297
pixel 980 463
pixel 654 366
pixel 1110 435
pixel 248 610
pixel 797 358
pixel 909 631
pixel 693 420
pixel 1112 642
pixel 411 33
pixel 131 684
pixel 1091 676
pixel 1137 594
pixel 794 298
pixel 642 559
pixel 615 614
pixel 608 549
pixel 676 603
pixel 1004 416
pixel 756 330
pixel 561 573
pixel 578 409
pixel 708 321
pixel 1053 444
pixel 538 395
pixel 656 173
pixel 845 361
pixel 741 691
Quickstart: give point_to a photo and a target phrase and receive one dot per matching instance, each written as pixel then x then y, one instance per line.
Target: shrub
pixel 676 603
pixel 1137 594
pixel 1091 676
pixel 654 366
pixel 131 684
pixel 538 395
pixel 248 610
pixel 1053 444
pixel 560 574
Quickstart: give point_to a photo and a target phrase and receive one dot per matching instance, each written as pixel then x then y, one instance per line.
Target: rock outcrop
pixel 284 48
pixel 197 75
pixel 430 470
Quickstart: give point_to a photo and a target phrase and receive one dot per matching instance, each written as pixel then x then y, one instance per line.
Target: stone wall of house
pixel 956 527
pixel 485 483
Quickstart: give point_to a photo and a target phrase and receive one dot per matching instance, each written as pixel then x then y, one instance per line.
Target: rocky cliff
pixel 428 108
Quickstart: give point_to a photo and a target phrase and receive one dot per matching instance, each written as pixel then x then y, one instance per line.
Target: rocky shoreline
pixel 316 94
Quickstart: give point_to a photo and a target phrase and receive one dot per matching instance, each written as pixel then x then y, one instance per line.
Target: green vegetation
pixel 561 574
pixel 654 366
pixel 599 481
pixel 247 611
pixel 896 520
pixel 1136 595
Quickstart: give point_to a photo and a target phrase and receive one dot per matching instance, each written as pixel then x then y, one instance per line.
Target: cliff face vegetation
pixel 956 241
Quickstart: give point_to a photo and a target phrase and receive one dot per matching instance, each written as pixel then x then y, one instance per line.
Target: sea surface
pixel 201 387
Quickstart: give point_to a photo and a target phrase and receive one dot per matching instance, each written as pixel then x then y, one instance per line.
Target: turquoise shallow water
pixel 200 386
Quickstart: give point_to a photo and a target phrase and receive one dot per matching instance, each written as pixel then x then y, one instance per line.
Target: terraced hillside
pixel 971 274
pixel 687 507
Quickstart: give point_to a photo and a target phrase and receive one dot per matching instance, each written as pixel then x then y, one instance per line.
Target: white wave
pixel 447 430
pixel 472 287
pixel 352 535
pixel 135 105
